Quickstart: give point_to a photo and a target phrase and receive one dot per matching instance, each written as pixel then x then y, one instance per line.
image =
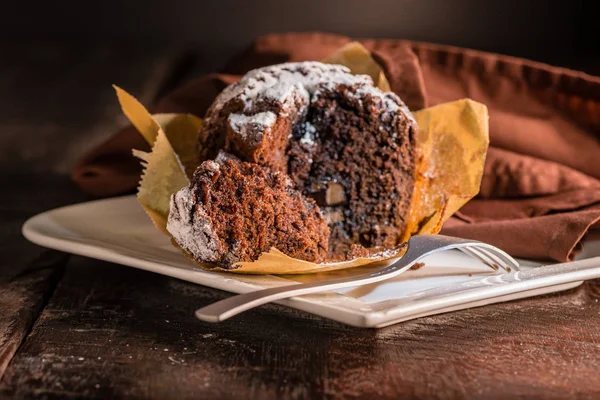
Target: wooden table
pixel 72 327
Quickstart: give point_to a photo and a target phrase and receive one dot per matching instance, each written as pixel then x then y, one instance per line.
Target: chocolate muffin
pixel 343 143
pixel 234 211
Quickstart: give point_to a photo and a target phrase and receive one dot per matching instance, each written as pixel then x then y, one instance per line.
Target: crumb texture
pixel 240 210
pixel 354 155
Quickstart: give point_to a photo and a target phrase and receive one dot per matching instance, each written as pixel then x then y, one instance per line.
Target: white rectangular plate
pixel 118 230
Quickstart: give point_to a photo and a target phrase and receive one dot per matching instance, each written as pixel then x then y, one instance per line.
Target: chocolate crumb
pixel 236 211
pixel 417 266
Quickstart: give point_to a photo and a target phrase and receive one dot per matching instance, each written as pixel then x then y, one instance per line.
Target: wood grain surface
pixel 114 331
pixel 72 327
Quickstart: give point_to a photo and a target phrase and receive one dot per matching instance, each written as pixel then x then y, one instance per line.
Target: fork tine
pixel 495 262
pixel 487 261
pixel 489 258
pixel 494 257
pixel 500 255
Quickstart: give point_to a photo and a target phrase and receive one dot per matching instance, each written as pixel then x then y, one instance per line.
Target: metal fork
pixel 418 248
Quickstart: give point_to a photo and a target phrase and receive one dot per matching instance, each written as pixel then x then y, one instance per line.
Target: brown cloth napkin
pixel 540 192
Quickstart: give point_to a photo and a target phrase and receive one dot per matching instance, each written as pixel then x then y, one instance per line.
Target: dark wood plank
pixel 22 301
pixel 28 273
pixel 57 103
pixel 115 331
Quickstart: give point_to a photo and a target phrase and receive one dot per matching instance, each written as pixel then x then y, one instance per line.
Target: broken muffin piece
pixel 234 211
pixel 342 141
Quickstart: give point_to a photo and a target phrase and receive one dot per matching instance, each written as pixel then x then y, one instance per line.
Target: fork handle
pixel 227 308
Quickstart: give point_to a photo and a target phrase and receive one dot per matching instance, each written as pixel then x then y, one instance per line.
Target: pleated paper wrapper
pixel 452 141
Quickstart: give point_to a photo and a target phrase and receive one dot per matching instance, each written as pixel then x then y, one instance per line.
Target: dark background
pixel 557 32
pixel 59 59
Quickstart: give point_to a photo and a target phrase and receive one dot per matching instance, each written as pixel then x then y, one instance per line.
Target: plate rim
pixel 33 231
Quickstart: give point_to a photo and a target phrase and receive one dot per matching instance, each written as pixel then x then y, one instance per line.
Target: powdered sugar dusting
pixel 252 126
pixel 292 86
pixel 389 253
pixel 190 227
pixel 282 92
pixel 278 82
pixel 309 134
pixel 289 84
pixel 212 166
pixel 391 103
pixel 265 119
